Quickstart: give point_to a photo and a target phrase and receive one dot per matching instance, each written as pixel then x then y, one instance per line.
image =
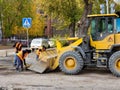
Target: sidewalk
pixel 7 52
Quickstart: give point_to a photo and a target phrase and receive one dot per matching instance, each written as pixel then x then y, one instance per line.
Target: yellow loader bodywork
pixel 51 56
pixel 100 48
pixel 104 44
pixel 49 59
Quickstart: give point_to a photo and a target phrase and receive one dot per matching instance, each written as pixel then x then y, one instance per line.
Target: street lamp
pixel 102 7
pixel 112 10
pixel 107 5
pixel 111 6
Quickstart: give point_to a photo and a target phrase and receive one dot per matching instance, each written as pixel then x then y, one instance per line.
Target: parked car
pixel 24 43
pixel 37 42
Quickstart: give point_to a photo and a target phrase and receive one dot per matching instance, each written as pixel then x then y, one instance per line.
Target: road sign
pixel 26 22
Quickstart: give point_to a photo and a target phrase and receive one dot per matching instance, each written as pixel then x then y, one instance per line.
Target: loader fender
pixel 80 50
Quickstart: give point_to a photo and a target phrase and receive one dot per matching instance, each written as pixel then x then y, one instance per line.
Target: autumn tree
pixel 22 10
pixel 11 14
pixel 66 12
pixel 84 21
pixel 38 22
pixel 69 12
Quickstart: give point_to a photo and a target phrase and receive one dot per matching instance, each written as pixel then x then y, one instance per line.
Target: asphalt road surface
pixel 88 79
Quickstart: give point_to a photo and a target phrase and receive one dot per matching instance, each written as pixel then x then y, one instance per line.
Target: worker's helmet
pixel 28 50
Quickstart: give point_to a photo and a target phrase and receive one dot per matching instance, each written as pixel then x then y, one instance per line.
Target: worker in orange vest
pixel 40 49
pixel 18 47
pixel 20 57
pixel 38 52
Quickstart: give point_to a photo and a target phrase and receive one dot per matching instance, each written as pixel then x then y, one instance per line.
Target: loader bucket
pixel 49 57
pixel 38 66
pixel 46 61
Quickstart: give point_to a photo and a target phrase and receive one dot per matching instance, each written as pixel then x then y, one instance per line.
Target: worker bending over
pixel 20 57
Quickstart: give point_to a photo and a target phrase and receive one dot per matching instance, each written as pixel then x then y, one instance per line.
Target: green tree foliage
pixel 38 21
pixel 66 12
pixel 84 21
pixel 11 14
pixel 90 7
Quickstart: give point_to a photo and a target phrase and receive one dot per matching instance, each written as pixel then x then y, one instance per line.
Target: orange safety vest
pixel 18 47
pixel 21 56
pixel 38 52
pixel 17 44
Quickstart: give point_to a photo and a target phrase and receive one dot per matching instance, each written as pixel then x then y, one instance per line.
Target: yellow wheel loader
pixel 100 48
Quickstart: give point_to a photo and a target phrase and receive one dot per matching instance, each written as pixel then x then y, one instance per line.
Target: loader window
pixel 101 25
pixel 93 29
pixel 110 25
pixel 98 26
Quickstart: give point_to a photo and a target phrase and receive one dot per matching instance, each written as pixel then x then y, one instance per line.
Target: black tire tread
pixel 78 59
pixel 112 60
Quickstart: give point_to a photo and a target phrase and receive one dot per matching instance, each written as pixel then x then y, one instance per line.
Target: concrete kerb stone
pixel 7 52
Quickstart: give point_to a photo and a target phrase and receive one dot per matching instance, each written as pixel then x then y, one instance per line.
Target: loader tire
pixel 114 64
pixel 71 63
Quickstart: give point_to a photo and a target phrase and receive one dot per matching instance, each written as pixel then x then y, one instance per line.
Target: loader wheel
pixel 114 64
pixel 71 62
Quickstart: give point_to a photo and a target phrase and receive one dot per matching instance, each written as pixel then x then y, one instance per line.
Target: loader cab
pixel 103 29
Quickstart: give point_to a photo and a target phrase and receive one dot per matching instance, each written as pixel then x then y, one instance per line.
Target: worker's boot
pixel 17 70
pixel 20 69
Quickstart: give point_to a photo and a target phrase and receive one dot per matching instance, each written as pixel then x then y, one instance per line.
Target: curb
pixel 7 52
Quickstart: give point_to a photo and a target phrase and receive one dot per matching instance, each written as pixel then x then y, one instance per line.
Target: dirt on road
pixel 88 79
